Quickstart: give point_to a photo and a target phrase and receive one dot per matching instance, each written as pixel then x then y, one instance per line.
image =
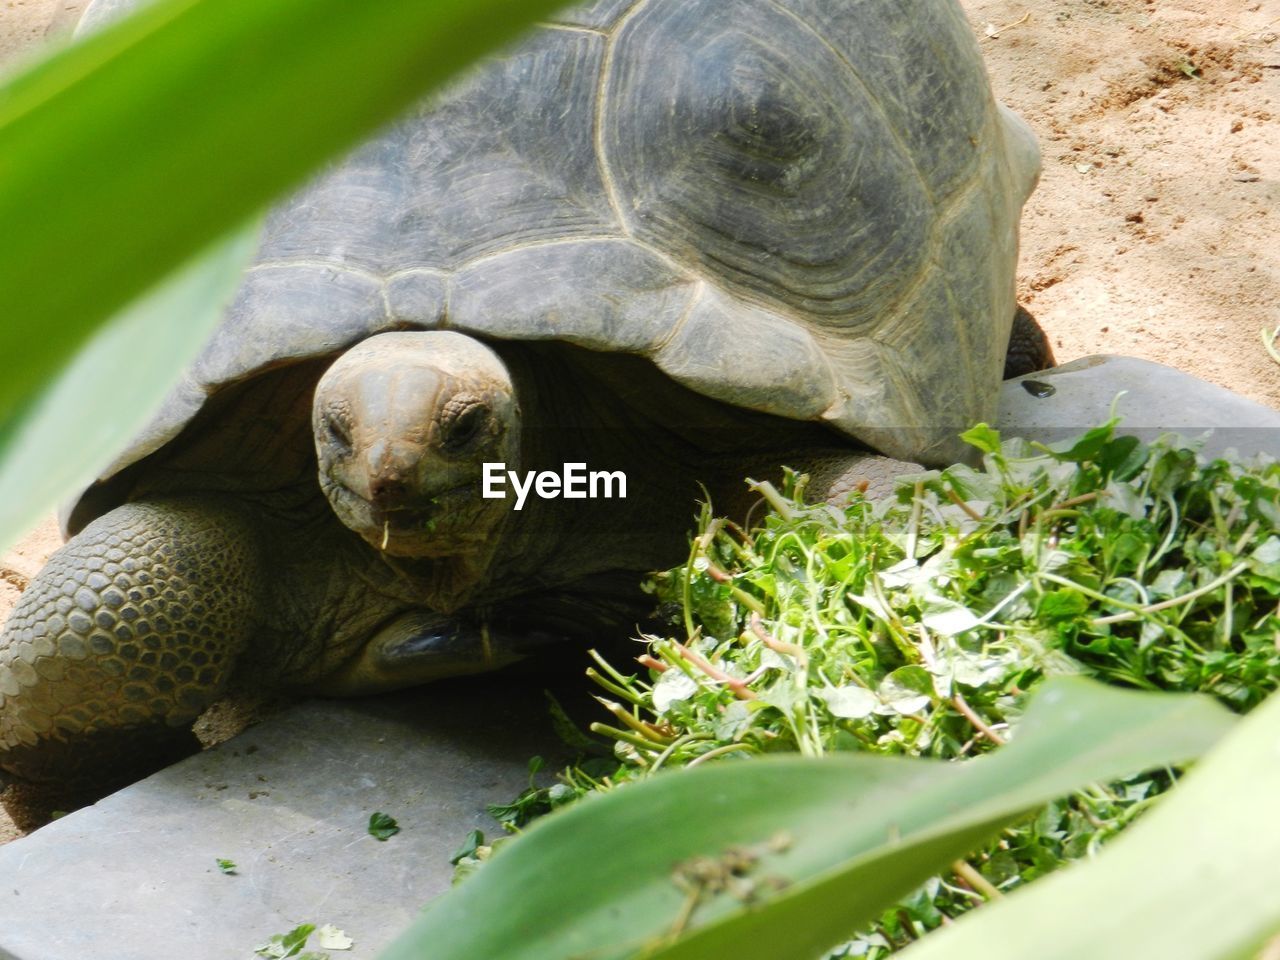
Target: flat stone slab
pixel 135 877
pixel 1060 403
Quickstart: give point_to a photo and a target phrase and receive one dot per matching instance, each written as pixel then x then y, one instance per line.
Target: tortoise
pixel 682 241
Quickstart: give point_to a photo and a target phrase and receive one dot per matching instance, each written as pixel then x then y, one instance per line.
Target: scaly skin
pixel 1029 348
pixel 124 637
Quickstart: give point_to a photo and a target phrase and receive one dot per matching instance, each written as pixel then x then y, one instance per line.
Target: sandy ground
pixel 1153 230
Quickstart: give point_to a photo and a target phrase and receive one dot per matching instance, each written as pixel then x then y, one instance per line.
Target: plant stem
pixel 617 691
pixel 955 498
pixel 645 660
pixel 738 687
pixel 767 490
pixel 747 600
pixel 613 733
pixel 608 668
pixel 776 645
pixel 965 871
pixel 675 745
pixel 646 730
pixel 1134 612
pixel 719 752
pixel 1076 501
pixel 913 524
pixel 959 702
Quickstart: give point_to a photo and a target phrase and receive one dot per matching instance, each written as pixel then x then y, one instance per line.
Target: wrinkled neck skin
pixel 614 412
pixel 550 542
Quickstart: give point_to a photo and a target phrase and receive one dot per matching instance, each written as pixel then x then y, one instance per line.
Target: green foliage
pixel 227 866
pixel 534 801
pixel 285 945
pixel 915 626
pixel 783 856
pixel 131 152
pixel 382 826
pixel 470 845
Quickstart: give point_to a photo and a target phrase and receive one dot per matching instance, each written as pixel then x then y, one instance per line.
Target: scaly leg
pixel 124 637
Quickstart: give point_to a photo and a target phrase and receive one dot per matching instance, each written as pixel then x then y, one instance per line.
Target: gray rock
pixel 135 876
pixel 1056 404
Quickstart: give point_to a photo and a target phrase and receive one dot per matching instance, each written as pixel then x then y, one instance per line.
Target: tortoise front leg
pixel 834 476
pixel 420 646
pixel 123 638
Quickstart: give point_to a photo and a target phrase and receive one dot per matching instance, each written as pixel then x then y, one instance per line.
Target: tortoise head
pixel 403 424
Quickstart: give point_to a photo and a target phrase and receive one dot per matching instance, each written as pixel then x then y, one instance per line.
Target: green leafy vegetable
pixel 284 945
pixel 382 826
pixel 473 842
pixel 533 801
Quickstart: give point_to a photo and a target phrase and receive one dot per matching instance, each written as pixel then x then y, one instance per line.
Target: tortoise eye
pixel 465 427
pixel 337 433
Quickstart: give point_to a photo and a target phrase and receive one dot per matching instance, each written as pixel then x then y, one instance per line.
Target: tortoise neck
pixel 579 439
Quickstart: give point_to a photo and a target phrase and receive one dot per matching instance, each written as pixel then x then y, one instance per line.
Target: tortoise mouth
pixel 447 523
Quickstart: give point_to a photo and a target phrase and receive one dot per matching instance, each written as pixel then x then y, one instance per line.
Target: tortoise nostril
pixel 388 489
pixel 391 469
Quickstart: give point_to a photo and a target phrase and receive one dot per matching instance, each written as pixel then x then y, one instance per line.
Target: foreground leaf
pixel 784 856
pixel 70 432
pixel 1195 879
pixel 129 152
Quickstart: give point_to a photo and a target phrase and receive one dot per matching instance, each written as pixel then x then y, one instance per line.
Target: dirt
pixel 26 24
pixel 1152 231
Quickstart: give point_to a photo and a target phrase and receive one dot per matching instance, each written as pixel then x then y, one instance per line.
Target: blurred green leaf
pixel 1195 879
pixel 127 153
pixel 781 856
pixel 72 429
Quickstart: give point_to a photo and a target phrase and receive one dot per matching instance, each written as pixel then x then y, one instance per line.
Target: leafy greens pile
pixel 916 624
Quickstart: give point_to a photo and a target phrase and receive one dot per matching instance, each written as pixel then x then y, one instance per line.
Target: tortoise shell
pixel 802 207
